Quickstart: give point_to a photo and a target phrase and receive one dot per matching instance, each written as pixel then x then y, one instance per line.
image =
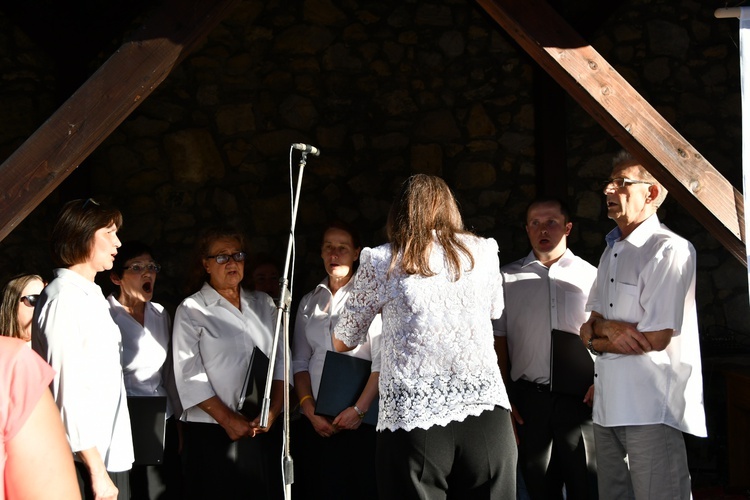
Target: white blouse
pixel 212 342
pixel 74 332
pixel 318 313
pixel 144 349
pixel 438 359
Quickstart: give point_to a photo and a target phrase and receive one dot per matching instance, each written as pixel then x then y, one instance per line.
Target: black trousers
pixel 473 459
pixel 339 467
pixel 217 467
pixel 552 450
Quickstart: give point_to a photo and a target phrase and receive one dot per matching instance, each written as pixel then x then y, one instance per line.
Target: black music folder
pixel 148 421
pixel 572 369
pixel 343 379
pixel 254 385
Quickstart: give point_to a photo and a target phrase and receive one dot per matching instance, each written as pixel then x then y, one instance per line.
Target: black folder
pixel 148 420
pixel 572 369
pixel 254 385
pixel 343 380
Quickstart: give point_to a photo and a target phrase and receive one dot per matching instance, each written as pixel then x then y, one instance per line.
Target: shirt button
pixel 611 305
pixel 596 374
pixel 611 280
pixel 615 255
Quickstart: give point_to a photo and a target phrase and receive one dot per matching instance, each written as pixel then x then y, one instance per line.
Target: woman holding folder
pixel 216 329
pixel 146 336
pixel 444 420
pixel 324 441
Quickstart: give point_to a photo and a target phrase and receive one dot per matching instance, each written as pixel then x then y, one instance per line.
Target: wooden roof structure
pixel 129 76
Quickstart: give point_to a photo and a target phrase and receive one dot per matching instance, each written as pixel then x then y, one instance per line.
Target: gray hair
pixel 625 158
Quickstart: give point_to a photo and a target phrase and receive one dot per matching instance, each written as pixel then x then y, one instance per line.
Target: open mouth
pixel 148 287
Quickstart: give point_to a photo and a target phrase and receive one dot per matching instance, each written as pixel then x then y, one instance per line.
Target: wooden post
pixel 625 115
pixel 98 107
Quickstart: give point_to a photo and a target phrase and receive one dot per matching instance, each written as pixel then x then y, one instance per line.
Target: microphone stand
pixel 282 316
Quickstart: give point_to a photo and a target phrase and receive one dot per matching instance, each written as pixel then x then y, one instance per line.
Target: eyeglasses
pixel 90 200
pixel 29 300
pixel 137 268
pixel 621 182
pixel 224 258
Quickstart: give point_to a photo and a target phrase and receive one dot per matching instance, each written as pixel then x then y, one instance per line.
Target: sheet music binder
pixel 254 385
pixel 343 379
pixel 572 369
pixel 148 421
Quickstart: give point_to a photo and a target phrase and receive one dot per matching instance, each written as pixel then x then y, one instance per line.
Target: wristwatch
pixel 360 413
pixel 590 346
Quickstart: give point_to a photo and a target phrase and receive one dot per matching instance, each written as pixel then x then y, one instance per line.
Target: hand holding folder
pixel 254 385
pixel 343 380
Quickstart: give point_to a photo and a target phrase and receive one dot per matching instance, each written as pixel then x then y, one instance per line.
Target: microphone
pixel 306 148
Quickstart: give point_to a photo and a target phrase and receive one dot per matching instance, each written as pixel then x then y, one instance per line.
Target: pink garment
pixel 24 377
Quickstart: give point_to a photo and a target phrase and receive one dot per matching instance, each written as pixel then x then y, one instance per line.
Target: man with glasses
pixel 544 291
pixel 644 330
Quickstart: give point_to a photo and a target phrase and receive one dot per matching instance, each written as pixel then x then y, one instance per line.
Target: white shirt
pixel 538 300
pixel 212 342
pixel 144 349
pixel 438 360
pixel 649 279
pixel 318 313
pixel 74 332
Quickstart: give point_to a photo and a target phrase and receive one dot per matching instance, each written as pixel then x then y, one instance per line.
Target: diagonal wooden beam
pixel 95 110
pixel 625 115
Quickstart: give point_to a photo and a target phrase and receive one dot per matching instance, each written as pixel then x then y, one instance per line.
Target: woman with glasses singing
pixel 17 308
pixel 146 329
pixel 74 333
pixel 215 331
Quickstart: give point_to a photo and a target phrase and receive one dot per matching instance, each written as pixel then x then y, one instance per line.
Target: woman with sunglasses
pixel 146 330
pixel 74 333
pixel 17 308
pixel 215 331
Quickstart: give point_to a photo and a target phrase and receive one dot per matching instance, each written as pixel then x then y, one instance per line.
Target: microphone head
pixel 306 148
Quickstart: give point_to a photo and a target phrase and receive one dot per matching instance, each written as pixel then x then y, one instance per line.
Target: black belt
pixel 532 385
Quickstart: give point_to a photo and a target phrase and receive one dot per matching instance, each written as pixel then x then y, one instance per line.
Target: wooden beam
pixel 98 107
pixel 625 115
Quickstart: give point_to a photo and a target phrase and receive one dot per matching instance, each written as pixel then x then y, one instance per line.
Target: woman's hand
pixel 348 419
pixel 103 487
pixel 234 424
pixel 237 426
pixel 322 425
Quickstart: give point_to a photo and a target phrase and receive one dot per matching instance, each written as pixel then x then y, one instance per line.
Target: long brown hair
pixel 424 205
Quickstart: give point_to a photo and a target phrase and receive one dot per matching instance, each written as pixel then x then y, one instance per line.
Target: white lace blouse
pixel 438 362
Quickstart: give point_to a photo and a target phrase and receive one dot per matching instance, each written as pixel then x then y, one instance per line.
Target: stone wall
pixel 384 89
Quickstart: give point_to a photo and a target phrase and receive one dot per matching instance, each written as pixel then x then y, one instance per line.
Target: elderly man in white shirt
pixel 644 329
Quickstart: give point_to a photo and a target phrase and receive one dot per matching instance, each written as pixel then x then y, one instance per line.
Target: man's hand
pixel 625 338
pixel 589 397
pixel 516 420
